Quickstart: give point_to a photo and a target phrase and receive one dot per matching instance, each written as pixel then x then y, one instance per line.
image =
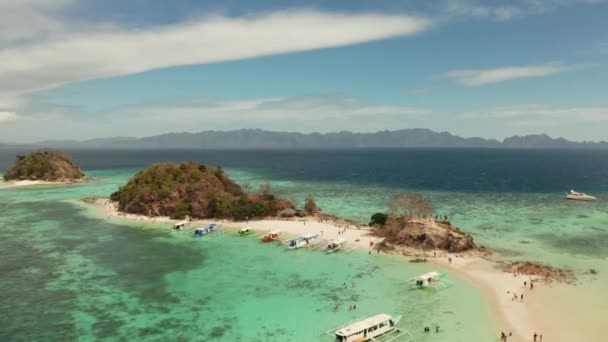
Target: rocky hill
pixel 53 166
pixel 193 190
pixel 426 234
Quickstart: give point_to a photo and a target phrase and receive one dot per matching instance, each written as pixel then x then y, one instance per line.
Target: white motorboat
pixel 579 196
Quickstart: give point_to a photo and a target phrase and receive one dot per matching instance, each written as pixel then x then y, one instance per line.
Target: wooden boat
pixel 271 236
pixel 431 279
pixel 180 225
pixel 336 245
pixel 302 241
pixel 213 228
pixel 246 231
pixel 374 328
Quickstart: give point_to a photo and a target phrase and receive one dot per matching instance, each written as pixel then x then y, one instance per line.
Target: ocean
pixel 68 274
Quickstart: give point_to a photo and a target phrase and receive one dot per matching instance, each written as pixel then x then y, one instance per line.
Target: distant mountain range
pixel 260 139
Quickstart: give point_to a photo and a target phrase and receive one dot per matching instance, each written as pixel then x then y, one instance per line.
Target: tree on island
pixel 410 204
pixel 310 206
pixel 378 219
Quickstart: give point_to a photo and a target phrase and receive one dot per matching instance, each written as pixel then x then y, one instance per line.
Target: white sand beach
pixel 522 318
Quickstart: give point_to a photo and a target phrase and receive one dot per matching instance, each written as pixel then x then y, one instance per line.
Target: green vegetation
pixel 378 219
pixel 44 166
pixel 194 190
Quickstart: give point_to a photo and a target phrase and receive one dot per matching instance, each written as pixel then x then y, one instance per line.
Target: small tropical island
pixel 195 191
pixel 45 166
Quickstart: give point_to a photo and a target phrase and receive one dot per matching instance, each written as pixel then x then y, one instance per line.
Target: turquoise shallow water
pixel 67 275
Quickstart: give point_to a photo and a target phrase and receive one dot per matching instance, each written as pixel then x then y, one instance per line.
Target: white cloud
pixel 478 77
pixel 109 52
pixel 541 113
pixel 503 10
pixel 6 117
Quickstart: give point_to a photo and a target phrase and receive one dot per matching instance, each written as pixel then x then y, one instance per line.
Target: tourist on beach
pixel 350 308
pixel 355 307
pixel 531 286
pixel 437 329
pixel 526 283
pixel 450 260
pixel 535 337
pixel 522 297
pixel 541 338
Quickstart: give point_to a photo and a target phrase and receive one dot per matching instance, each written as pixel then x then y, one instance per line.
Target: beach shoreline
pixel 22 183
pixel 522 318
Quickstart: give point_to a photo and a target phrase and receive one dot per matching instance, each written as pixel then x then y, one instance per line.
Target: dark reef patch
pixel 591 244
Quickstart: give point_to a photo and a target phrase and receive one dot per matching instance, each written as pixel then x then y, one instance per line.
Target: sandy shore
pixel 522 318
pixel 21 183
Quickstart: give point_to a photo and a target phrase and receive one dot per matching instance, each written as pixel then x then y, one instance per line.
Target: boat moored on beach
pixel 338 244
pixel 579 196
pixel 271 236
pixel 246 231
pixel 302 241
pixel 213 228
pixel 180 225
pixel 371 329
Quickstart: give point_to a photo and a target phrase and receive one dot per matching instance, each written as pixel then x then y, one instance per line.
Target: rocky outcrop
pixel 50 166
pixel 544 272
pixel 425 233
pixel 193 190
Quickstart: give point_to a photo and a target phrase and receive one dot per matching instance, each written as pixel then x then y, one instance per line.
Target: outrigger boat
pixel 246 231
pixel 579 196
pixel 180 225
pixel 214 227
pixel 381 327
pixel 302 241
pixel 271 236
pixel 431 279
pixel 337 245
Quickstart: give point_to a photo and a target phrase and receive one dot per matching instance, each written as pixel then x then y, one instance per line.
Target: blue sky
pixel 88 69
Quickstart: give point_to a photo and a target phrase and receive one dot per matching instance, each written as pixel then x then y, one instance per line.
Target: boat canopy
pixel 244 230
pixel 338 241
pixel 363 324
pixel 213 225
pixel 274 232
pixel 432 275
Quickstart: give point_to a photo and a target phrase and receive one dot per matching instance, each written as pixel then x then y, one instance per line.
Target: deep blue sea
pixel 469 170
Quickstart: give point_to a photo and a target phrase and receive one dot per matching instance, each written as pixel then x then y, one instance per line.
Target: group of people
pixel 503 336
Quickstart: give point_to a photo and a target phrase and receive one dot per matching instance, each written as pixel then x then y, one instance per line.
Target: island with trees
pixel 196 191
pixel 45 166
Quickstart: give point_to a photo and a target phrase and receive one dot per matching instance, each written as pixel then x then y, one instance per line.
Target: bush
pixel 378 219
pixel 181 211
